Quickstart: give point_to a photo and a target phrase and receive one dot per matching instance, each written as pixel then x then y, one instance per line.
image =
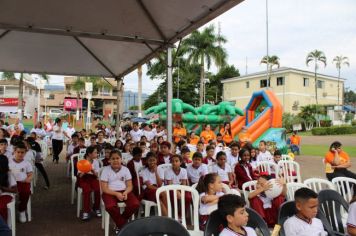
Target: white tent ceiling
pixel 107 38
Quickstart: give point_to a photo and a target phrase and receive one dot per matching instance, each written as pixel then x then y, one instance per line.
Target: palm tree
pixel 139 74
pixel 202 47
pixel 316 56
pixel 271 61
pixel 339 61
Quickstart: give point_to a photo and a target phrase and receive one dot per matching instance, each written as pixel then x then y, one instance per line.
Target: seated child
pixel 351 219
pixel 196 169
pixel 134 166
pixel 243 170
pixel 233 156
pixel 116 184
pixel 152 180
pixel 304 223
pixel 267 207
pixel 277 156
pixel 209 159
pixel 164 157
pixel 4 148
pixel 200 148
pixel 264 154
pixel 89 183
pixel 185 153
pixel 223 169
pixel 23 172
pixel 210 190
pixel 107 149
pixel 253 157
pixel 232 210
pixel 7 186
pixel 71 146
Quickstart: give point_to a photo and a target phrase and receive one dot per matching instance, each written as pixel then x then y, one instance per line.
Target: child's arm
pixel 29 177
pixel 184 182
pixel 259 190
pixel 282 182
pixel 12 189
pixel 231 178
pixel 158 179
pixel 128 189
pixel 210 199
pixel 105 188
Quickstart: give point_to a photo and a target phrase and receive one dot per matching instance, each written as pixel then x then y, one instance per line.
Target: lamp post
pixel 206 80
pixel 46 96
pixel 89 90
pixel 178 80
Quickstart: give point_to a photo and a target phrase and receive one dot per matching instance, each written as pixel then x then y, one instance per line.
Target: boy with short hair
pixel 304 223
pixel 196 169
pixel 164 157
pixel 107 149
pixel 72 145
pixel 233 156
pixel 264 154
pixel 209 159
pixel 22 171
pixel 3 148
pixel 232 209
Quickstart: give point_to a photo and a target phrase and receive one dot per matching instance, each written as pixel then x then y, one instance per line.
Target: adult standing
pixel 57 139
pixel 337 162
pixel 295 141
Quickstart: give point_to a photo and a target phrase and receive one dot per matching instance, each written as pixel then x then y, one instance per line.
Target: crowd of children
pixel 130 168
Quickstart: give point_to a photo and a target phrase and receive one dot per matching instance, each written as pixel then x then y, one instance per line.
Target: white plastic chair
pixel 287 168
pixel 126 157
pixel 74 178
pixel 268 166
pixel 247 188
pixel 147 204
pixel 11 216
pixel 195 202
pixel 286 158
pixel 292 187
pixel 317 184
pixel 44 149
pixel 343 185
pixel 82 152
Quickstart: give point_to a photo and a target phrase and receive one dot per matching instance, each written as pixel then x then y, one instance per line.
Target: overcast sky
pixel 296 27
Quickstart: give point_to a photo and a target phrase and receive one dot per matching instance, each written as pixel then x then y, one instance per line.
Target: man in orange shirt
pixel 295 141
pixel 179 132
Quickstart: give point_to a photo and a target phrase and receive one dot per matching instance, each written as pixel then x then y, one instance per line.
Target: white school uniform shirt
pixel 150 177
pixel 149 135
pixel 232 160
pixel 264 156
pixel 20 170
pixel 228 232
pixel 116 180
pixel 169 175
pixel 351 219
pixel 206 209
pixel 223 173
pixel 136 135
pixel 39 132
pixel 8 154
pixel 70 131
pixel 294 226
pixel 12 183
pixel 70 149
pixel 57 135
pixel 30 156
pixel 194 174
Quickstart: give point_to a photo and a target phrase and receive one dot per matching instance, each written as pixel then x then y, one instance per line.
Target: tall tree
pixel 205 46
pixel 340 61
pixel 316 56
pixel 271 61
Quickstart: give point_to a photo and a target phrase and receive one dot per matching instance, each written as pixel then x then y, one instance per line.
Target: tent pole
pixel 169 94
pixel 118 102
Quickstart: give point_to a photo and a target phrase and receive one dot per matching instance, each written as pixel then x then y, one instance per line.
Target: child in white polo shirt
pixel 22 170
pixel 264 154
pixel 7 186
pixel 232 209
pixel 196 169
pixel 304 222
pixel 223 169
pixel 116 185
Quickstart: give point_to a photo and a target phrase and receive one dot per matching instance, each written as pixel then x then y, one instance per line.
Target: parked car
pixel 53 113
pixel 14 115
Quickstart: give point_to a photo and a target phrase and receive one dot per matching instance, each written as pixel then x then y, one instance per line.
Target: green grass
pixel 309 133
pixel 320 150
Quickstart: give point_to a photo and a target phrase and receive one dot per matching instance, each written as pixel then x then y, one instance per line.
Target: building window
pixel 280 81
pixel 105 91
pixel 263 83
pixel 247 84
pixel 51 97
pixel 2 91
pixel 320 84
pixel 306 82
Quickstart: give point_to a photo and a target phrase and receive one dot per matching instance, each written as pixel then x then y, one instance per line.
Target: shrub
pixel 325 123
pixel 353 123
pixel 334 130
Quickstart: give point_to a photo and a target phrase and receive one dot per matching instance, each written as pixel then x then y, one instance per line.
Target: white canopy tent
pixel 96 38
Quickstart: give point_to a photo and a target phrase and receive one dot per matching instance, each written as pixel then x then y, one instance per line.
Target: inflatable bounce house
pixel 261 119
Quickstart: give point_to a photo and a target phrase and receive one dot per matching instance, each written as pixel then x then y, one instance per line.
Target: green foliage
pixel 334 130
pixel 350 97
pixel 349 116
pixel 8 75
pixel 133 108
pixel 353 123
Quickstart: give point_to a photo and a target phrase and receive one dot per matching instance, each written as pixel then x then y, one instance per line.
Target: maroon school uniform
pixel 244 173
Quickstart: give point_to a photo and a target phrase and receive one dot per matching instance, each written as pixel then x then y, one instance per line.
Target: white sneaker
pixel 22 217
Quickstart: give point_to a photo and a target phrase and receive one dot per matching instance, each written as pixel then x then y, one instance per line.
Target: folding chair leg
pixel 79 201
pixel 29 210
pixel 107 223
pixel 73 194
pixel 11 221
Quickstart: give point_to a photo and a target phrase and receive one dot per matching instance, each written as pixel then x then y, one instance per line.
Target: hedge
pixel 334 130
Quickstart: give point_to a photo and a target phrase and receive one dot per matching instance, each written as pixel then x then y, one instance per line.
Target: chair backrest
pixel 286 210
pixel 182 189
pixel 214 224
pixel 317 184
pixel 268 166
pixel 247 188
pixel 82 152
pixel 286 158
pixel 331 204
pixel 290 171
pixel 292 187
pixel 344 186
pixel 154 225
pixel 72 163
pixel 256 221
pixel 44 148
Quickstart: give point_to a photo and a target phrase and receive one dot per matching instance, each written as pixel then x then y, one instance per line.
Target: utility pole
pixel 267 56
